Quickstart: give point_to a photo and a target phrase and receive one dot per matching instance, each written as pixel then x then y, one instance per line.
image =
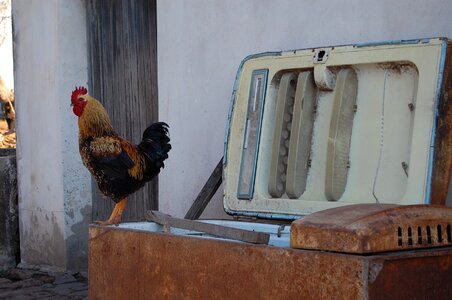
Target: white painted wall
pixel 201 43
pixel 6 49
pixel 50 54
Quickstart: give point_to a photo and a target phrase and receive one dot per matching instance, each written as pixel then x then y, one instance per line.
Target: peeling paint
pixel 44 244
pixel 374 270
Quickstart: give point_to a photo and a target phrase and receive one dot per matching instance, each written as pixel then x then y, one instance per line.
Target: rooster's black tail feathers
pixel 155 146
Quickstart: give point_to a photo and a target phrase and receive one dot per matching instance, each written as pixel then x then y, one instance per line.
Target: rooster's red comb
pixel 78 91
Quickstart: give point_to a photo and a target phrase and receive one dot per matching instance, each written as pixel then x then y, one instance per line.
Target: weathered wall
pixel 201 43
pixel 6 44
pixel 54 188
pixel 9 216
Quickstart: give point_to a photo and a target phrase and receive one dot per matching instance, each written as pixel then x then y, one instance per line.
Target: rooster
pixel 119 167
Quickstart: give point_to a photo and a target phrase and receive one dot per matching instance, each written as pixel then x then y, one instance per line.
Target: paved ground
pixel 24 284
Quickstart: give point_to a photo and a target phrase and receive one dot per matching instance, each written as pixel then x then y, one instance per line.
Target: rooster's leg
pixel 115 217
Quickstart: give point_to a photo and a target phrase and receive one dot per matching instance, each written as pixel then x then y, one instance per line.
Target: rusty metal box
pixel 346 152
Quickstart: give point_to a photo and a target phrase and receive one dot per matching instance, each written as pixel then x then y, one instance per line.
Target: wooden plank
pixel 212 229
pixel 206 193
pixel 122 41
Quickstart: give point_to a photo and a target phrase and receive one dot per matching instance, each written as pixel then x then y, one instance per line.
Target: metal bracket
pixel 320 56
pixel 324 78
pixel 280 230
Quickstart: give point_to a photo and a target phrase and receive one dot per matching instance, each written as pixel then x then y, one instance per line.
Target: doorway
pixel 122 47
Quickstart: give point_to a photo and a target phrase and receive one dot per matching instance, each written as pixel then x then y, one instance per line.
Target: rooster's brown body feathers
pixel 118 166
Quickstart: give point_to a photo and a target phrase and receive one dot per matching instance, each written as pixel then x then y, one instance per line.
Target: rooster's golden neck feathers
pixel 94 121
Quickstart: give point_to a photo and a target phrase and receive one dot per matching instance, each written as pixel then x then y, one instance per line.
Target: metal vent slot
pixel 449 234
pixel 419 235
pixel 440 236
pixel 410 237
pixel 281 136
pixel 429 235
pixel 340 132
pixel 301 135
pixel 432 237
pixel 399 236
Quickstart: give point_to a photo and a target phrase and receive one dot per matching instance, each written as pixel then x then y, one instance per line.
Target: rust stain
pixel 372 228
pixel 374 270
pixel 166 266
pixel 398 67
pixel 443 151
pixel 425 275
pixel 127 264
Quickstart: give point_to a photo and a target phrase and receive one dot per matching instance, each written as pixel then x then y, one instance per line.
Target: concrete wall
pixel 201 43
pixel 6 47
pixel 54 188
